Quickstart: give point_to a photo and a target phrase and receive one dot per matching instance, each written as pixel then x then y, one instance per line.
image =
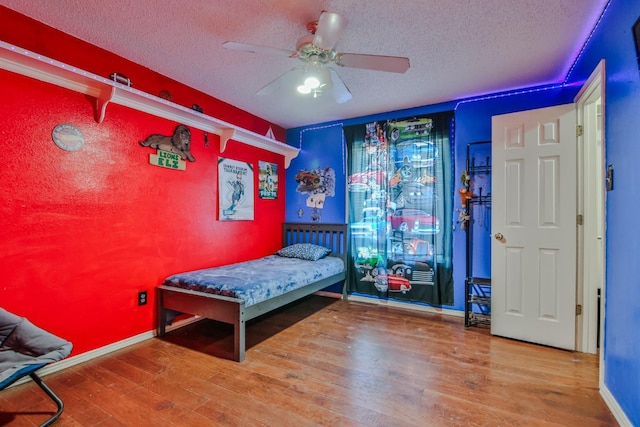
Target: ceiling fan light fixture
pixel 315 80
pixel 305 90
pixel 312 82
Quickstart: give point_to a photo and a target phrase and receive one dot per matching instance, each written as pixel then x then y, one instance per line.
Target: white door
pixel 533 252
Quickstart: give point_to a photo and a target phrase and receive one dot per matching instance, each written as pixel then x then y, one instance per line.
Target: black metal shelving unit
pixel 477 308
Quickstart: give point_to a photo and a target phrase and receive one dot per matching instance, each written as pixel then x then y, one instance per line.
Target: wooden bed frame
pixel 232 310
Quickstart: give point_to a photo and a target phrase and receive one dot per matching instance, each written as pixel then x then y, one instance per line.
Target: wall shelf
pixel 105 91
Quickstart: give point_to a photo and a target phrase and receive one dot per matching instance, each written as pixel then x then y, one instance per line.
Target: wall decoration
pixel 316 201
pixel 167 160
pixel 68 137
pixel 317 181
pixel 267 180
pixel 318 184
pixel 270 133
pixel 172 150
pixel 235 190
pixel 179 142
pixel 323 152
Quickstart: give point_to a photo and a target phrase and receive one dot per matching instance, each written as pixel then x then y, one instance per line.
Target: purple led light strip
pixel 540 89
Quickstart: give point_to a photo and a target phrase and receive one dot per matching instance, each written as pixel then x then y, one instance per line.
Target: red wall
pixel 82 232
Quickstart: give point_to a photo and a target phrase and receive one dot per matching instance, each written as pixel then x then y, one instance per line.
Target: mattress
pixel 257 280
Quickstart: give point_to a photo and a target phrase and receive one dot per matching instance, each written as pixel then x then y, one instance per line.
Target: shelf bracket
pixel 101 102
pixel 225 135
pixel 287 161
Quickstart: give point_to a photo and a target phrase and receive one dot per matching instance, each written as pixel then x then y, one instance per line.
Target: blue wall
pixel 613 41
pixel 320 148
pixel 323 144
pixel 473 124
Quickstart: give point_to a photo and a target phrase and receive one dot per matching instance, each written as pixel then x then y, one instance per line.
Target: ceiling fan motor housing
pixel 307 50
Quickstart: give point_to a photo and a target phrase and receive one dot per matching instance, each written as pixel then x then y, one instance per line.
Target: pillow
pixel 306 251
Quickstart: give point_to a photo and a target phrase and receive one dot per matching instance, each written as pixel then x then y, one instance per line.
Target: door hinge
pixel 578 309
pixel 579 219
pixel 579 130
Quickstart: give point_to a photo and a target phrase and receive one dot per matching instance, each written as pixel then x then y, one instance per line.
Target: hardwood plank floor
pixel 324 362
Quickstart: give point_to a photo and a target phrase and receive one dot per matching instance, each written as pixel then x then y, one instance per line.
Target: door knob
pixel 499 236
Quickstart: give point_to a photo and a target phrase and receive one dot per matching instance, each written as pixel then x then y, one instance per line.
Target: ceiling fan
pixel 317 51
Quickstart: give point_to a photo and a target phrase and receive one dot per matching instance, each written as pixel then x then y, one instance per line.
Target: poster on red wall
pixel 235 190
pixel 267 180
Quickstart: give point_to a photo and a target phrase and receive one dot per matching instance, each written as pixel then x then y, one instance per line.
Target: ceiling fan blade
pixel 288 79
pixel 329 30
pixel 339 91
pixel 393 64
pixel 259 49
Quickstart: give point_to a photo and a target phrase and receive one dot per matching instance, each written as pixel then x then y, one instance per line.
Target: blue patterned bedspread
pixel 257 280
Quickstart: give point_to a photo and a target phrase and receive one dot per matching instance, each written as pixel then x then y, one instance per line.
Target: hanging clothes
pixel 400 204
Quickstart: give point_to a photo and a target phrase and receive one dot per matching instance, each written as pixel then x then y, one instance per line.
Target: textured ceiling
pixel 457 48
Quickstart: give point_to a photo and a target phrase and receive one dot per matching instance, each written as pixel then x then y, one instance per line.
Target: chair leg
pixel 53 397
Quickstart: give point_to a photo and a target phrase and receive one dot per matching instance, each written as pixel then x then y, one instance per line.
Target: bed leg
pixel 239 337
pixel 162 315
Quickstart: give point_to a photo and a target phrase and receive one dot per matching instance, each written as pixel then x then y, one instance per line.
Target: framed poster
pixel 235 190
pixel 267 180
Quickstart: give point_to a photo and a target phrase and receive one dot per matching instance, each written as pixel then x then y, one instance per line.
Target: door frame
pixel 590 163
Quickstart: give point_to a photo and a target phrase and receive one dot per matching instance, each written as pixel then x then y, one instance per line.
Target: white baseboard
pixel 614 407
pixel 92 354
pixel 396 304
pixel 329 294
pixel 406 306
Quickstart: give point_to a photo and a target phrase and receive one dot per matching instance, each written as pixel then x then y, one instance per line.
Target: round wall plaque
pixel 68 137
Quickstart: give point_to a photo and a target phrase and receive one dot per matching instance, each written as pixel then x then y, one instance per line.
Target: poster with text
pixel 235 190
pixel 267 180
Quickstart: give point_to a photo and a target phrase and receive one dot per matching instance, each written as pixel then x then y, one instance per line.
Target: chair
pixel 24 349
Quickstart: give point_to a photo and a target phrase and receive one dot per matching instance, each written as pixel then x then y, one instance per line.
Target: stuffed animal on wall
pixel 179 142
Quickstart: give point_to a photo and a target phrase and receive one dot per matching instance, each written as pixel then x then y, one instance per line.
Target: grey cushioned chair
pixel 25 348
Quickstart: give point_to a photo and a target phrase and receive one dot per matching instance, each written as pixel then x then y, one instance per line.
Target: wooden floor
pixel 325 362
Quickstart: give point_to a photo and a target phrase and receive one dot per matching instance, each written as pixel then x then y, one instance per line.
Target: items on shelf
pixel 104 91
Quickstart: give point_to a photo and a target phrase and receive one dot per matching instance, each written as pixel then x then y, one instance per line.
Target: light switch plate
pixel 609 178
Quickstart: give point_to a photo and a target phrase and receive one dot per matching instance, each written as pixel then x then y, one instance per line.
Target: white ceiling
pixel 457 48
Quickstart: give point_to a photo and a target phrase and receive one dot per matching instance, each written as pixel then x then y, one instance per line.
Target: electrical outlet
pixel 142 297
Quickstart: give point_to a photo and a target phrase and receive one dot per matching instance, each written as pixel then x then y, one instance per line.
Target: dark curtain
pixel 400 201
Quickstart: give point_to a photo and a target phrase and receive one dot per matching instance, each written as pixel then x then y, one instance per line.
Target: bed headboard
pixel 333 236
